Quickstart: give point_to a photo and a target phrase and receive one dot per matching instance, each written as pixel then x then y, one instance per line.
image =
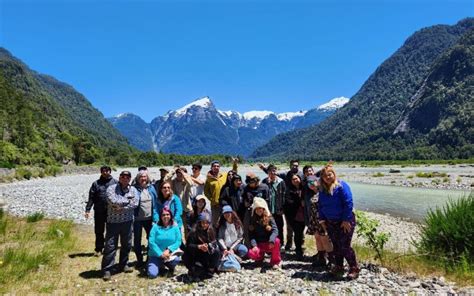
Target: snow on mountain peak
pixel 202 102
pixel 334 104
pixel 122 115
pixel 290 115
pixel 259 115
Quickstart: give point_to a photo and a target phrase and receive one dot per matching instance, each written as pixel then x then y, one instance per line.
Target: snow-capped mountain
pixel 200 128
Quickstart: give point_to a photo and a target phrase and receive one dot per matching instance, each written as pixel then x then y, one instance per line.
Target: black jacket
pixel 294 197
pixel 233 197
pixel 260 191
pixel 260 235
pixel 98 195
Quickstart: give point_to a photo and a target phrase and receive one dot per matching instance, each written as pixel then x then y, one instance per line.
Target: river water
pixel 405 202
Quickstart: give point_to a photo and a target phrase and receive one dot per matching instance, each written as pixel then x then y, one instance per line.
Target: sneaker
pixel 107 276
pixel 277 266
pixel 353 273
pixel 127 269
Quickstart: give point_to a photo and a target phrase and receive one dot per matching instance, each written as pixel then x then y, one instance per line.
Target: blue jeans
pixel 241 250
pixel 155 263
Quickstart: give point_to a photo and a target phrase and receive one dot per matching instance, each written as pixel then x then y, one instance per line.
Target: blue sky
pixel 148 57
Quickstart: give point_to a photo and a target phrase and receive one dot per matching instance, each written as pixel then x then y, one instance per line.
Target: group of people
pixel 214 223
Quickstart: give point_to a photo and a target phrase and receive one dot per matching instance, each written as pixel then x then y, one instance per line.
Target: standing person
pixel 165 239
pixel 230 233
pixel 166 198
pixel 286 176
pixel 252 190
pixel 263 233
pixel 163 173
pixel 143 213
pixel 277 191
pixel 230 174
pixel 294 211
pixel 212 188
pixel 323 243
pixel 202 255
pixel 181 186
pixel 336 215
pixel 197 187
pixel 122 200
pixel 98 199
pixel 233 196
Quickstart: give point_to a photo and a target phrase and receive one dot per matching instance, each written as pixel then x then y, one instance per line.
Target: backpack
pixel 229 263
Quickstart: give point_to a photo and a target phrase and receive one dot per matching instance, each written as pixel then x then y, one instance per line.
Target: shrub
pixel 367 229
pixel 3 223
pixel 448 232
pixel 379 174
pixel 35 217
pixel 23 173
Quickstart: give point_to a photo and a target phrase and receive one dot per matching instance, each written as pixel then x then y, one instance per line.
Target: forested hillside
pixel 364 128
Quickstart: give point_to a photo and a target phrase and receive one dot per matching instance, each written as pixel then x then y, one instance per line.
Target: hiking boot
pixel 126 269
pixel 353 273
pixel 337 271
pixel 107 276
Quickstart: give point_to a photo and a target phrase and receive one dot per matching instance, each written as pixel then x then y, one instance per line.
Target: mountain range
pixel 200 128
pixel 418 104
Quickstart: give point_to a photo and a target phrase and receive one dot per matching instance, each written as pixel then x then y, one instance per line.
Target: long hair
pixel 235 220
pixel 160 222
pixel 137 178
pixel 160 194
pixel 206 236
pixel 263 220
pixel 328 188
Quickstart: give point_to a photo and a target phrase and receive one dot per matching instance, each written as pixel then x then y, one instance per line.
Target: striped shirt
pixel 121 203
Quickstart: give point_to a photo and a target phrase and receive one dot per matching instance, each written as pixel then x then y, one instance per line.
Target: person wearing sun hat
pixel 201 205
pixel 263 233
pixel 230 233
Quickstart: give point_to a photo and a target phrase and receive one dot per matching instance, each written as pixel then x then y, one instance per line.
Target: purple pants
pixel 342 243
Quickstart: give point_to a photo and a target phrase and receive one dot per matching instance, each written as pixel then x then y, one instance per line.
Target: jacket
pixel 276 198
pixel 175 206
pixel 233 197
pixel 260 191
pixel 213 186
pixel 153 195
pixel 338 206
pixel 98 195
pixel 260 235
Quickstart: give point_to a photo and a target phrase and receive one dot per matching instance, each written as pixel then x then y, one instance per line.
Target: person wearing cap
pixel 201 205
pixel 230 233
pixel 212 188
pixel 277 191
pixel 233 196
pixel 143 213
pixel 163 173
pixel 122 199
pixel 202 253
pixel 98 200
pixel 198 181
pixel 163 245
pixel 252 190
pixel 263 233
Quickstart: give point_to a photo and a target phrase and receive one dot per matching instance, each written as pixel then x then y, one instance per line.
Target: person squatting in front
pixel 163 245
pixel 230 234
pixel 263 234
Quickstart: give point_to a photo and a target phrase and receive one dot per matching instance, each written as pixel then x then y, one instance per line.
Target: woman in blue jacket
pixel 166 198
pixel 165 239
pixel 336 215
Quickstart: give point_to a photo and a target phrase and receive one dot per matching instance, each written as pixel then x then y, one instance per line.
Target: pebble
pixel 65 196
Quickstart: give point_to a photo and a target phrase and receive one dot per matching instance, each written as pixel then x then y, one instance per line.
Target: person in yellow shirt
pixel 212 188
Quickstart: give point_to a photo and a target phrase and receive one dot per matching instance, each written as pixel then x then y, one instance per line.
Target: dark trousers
pixel 138 226
pixel 342 243
pixel 113 232
pixel 279 222
pixel 206 261
pixel 298 230
pixel 99 228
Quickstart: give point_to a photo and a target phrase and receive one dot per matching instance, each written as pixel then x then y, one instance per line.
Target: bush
pixel 23 173
pixel 35 217
pixel 448 233
pixel 367 229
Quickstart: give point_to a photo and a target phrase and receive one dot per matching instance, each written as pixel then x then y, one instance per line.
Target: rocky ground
pixel 65 196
